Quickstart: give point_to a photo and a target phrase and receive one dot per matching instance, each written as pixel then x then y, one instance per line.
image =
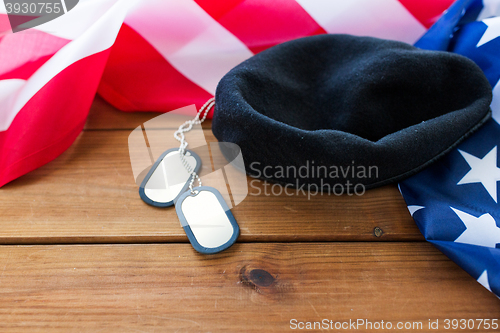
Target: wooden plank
pixel 249 288
pixel 103 116
pixel 88 195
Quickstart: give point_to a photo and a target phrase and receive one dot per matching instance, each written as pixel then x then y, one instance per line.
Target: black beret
pixel 352 110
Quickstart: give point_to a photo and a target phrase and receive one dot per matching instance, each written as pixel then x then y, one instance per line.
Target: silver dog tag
pixel 207 220
pixel 168 178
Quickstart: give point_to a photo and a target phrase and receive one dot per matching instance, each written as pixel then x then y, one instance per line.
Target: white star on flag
pixel 414 208
pixel 481 231
pixel 495 103
pixel 492 30
pixel 483 170
pixel 483 279
pixel 490 8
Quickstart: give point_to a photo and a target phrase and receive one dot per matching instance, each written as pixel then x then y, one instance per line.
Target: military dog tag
pixel 168 178
pixel 207 220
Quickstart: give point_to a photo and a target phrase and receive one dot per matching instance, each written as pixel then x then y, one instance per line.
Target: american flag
pixel 455 201
pixel 160 55
pixel 156 55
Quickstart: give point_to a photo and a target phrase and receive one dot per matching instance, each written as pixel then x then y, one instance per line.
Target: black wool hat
pixel 340 109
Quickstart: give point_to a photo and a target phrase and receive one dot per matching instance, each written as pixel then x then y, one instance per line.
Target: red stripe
pixel 261 24
pixel 26 70
pixel 4 24
pixel 23 53
pixel 51 120
pixel 138 78
pixel 426 11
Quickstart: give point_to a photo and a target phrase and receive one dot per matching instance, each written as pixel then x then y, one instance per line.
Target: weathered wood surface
pixel 249 288
pixel 295 258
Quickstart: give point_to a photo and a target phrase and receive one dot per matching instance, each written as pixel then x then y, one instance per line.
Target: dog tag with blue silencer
pixel 168 178
pixel 207 220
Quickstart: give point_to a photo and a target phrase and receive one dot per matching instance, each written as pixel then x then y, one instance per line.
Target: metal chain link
pixel 179 136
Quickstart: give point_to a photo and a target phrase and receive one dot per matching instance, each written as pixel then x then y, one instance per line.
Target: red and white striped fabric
pixel 156 55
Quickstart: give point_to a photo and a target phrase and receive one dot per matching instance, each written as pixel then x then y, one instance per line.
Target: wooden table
pixel 82 253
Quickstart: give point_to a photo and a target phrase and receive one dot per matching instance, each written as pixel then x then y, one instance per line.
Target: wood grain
pixel 250 288
pixel 88 195
pixel 103 116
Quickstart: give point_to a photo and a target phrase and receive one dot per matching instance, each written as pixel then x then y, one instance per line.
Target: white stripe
pixel 100 36
pixel 75 22
pixel 64 6
pixel 9 90
pixel 381 18
pixel 78 20
pixel 190 39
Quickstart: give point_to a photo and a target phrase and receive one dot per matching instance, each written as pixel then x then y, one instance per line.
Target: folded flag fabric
pixel 156 55
pixel 455 201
